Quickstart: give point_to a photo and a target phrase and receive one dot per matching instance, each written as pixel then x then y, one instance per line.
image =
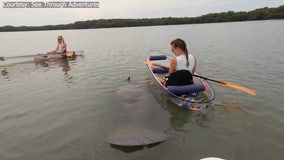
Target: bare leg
pixel 162 80
pixel 41 59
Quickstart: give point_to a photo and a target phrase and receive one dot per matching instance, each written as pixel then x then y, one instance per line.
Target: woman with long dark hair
pixel 182 66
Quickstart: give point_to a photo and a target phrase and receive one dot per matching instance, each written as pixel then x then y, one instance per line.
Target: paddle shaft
pixel 209 79
pixel 223 83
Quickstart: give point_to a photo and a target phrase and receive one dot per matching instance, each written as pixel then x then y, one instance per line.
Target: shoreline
pixel 230 16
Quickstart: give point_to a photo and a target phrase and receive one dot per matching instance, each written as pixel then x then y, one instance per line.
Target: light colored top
pixel 181 63
pixel 61 48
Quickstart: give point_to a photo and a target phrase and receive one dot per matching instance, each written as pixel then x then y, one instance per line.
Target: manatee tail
pixel 131 136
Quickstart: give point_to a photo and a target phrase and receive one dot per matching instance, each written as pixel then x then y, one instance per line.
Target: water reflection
pixel 179 117
pixel 228 108
pixel 4 72
pixel 64 63
pixel 17 69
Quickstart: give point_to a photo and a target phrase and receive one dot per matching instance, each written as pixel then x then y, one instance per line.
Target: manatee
pixel 133 106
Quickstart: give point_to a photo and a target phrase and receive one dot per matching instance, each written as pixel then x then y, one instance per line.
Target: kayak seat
pixel 187 89
pixel 157 57
pixel 70 54
pixel 160 70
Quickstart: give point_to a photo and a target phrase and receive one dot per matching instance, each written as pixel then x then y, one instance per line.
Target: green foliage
pixel 230 16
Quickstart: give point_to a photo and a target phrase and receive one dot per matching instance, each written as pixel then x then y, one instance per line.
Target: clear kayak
pixel 196 96
pixel 47 57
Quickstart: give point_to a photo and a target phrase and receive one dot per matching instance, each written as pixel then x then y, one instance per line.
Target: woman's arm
pixel 194 67
pixel 53 51
pixel 173 66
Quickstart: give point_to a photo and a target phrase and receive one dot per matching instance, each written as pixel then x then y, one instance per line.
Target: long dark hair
pixel 179 43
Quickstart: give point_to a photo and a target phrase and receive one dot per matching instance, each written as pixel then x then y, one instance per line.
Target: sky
pixel 109 9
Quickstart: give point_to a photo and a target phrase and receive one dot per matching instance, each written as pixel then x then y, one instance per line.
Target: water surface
pixel 65 110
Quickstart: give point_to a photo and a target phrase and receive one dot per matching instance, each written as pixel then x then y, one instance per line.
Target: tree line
pixel 230 16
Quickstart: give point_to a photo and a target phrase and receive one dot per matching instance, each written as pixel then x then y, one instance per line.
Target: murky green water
pixel 66 110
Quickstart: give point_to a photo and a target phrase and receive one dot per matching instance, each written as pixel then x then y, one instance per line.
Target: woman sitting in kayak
pixel 182 66
pixel 57 53
pixel 61 46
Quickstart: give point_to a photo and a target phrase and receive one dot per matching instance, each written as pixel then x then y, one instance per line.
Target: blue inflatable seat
pixel 157 57
pixel 157 69
pixel 186 89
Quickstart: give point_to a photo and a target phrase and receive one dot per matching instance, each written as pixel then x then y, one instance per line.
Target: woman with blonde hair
pixel 58 53
pixel 61 46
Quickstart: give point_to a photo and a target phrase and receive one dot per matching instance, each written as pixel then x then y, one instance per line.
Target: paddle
pixel 24 56
pixel 150 63
pixel 227 84
pixel 223 83
pixel 40 54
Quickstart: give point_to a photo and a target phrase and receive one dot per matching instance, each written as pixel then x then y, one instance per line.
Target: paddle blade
pixel 249 91
pixel 150 63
